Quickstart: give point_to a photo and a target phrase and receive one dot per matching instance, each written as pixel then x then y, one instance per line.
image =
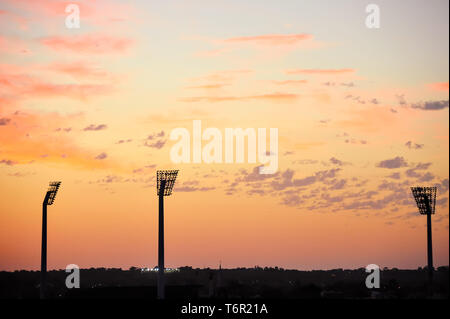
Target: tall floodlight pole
pixel 426 202
pixel 164 185
pixel 48 200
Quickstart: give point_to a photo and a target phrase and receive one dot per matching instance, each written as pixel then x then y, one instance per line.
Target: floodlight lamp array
pixel 425 198
pixel 52 190
pixel 165 181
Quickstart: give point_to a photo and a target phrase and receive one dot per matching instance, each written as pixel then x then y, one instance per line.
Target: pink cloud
pixel 439 86
pixel 321 71
pixel 282 97
pixel 268 43
pixel 272 39
pixel 276 97
pixel 78 69
pixel 207 86
pixel 90 44
pixel 98 12
pixel 15 85
pixel 290 82
pixel 74 91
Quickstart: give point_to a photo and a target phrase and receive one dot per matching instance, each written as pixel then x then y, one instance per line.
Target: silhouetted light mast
pixel 426 202
pixel 164 185
pixel 48 200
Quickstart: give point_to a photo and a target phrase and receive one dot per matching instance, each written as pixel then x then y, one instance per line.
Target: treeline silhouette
pixel 257 282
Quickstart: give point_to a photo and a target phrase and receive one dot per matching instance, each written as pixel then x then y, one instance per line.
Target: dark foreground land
pixel 187 282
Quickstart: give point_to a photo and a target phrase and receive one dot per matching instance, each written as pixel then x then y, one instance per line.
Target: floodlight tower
pixel 48 200
pixel 164 185
pixel 426 202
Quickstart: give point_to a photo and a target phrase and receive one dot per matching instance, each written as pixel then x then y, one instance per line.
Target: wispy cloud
pixel 338 162
pixel 396 162
pixel 91 44
pixel 321 71
pixel 207 86
pixel 286 97
pixel 78 70
pixel 431 105
pixel 414 146
pixel 76 91
pixel 124 141
pixel 271 39
pixel 98 12
pixel 157 144
pixel 101 156
pixel 94 127
pixel 190 189
pixel 156 140
pixel 345 84
pixel 412 172
pixel 8 162
pixel 65 129
pixel 290 82
pixel 4 121
pixel 281 43
pixel 22 86
pixel 156 135
pixel 439 86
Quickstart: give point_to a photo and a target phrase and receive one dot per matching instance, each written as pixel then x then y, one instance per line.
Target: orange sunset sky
pixel 362 115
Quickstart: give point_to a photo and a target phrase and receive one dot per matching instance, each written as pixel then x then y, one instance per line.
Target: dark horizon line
pixel 234 268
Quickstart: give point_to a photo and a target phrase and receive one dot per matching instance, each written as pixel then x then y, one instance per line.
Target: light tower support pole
pixel 44 248
pixel 161 243
pixel 429 248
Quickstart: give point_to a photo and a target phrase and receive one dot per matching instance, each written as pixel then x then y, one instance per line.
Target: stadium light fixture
pixel 49 199
pixel 426 202
pixel 165 180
